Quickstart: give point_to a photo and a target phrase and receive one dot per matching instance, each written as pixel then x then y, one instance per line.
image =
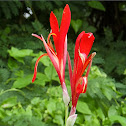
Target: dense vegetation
pixel 25 104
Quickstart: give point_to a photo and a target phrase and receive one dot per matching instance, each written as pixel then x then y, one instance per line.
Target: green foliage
pixel 23 103
pixel 97 5
pixel 47 108
pixel 76 24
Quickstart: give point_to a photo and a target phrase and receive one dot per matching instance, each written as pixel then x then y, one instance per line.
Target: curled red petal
pixel 37 36
pixel 89 67
pixel 81 88
pixel 35 69
pixel 87 62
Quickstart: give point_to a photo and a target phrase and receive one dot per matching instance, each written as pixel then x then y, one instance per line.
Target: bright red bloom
pixel 78 82
pixel 57 55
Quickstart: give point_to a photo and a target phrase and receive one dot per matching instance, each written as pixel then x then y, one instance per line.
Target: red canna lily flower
pixel 57 55
pixel 78 82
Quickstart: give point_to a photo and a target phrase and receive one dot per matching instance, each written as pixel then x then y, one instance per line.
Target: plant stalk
pixel 66 113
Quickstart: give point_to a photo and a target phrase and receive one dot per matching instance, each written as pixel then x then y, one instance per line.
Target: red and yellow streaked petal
pixel 82 86
pixel 54 59
pixel 50 43
pixel 87 62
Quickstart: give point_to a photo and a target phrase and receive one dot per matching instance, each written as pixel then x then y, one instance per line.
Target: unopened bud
pixel 71 120
pixel 66 97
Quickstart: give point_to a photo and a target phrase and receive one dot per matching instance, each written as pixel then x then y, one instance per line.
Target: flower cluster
pixel 58 57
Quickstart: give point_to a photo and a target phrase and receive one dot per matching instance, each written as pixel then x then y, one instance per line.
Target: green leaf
pixel 100 113
pixel 41 79
pixel 117 118
pixel 35 101
pixel 50 72
pixel 124 72
pixel 82 107
pixel 55 91
pixel 10 102
pixel 112 111
pixel 51 106
pixel 14 52
pixel 44 60
pixel 22 82
pixel 19 54
pixel 76 24
pixel 12 64
pixel 58 14
pixel 97 5
pixel 58 119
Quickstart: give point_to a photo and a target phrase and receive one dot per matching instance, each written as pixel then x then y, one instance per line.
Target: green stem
pixel 66 113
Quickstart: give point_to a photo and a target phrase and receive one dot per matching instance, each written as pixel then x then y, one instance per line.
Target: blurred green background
pixel 25 104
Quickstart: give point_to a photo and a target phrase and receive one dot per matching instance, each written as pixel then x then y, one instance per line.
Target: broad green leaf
pixel 108 93
pixel 19 54
pixel 22 82
pixel 51 106
pixel 100 113
pixel 44 60
pixel 76 24
pixel 14 52
pixel 29 110
pixel 112 111
pixel 80 119
pixel 58 14
pixel 41 79
pixel 96 72
pixel 55 91
pixel 118 118
pixel 10 102
pixel 35 101
pixel 91 120
pixel 12 64
pixel 97 5
pixel 82 107
pixel 58 120
pixel 50 72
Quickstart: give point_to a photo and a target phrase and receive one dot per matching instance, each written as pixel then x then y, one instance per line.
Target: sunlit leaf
pixel 10 102
pixel 82 107
pixel 22 82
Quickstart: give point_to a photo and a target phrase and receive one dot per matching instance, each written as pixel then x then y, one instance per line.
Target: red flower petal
pixel 77 44
pixel 86 43
pixel 65 23
pixel 87 62
pixel 35 69
pixel 55 27
pixel 81 88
